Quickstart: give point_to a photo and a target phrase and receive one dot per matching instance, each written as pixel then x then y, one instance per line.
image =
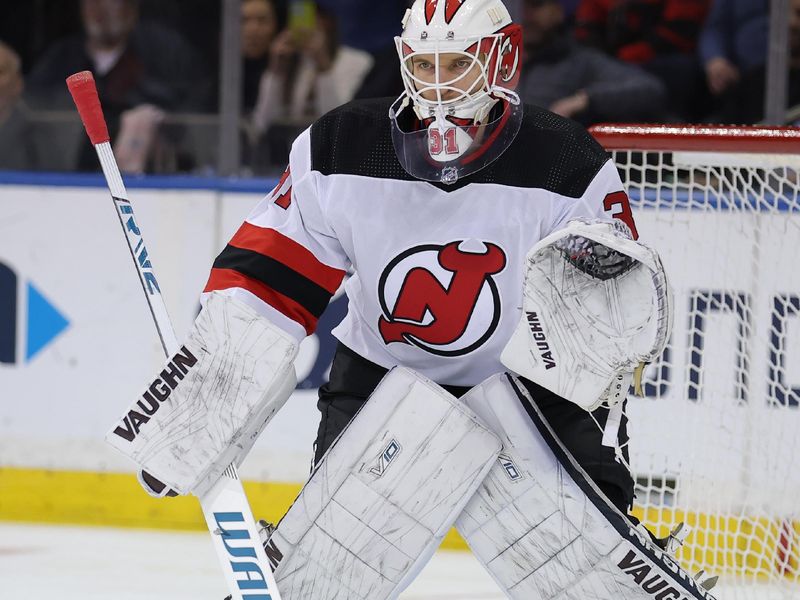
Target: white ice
pixel 43 562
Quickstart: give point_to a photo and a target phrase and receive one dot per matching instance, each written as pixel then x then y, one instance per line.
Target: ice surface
pixel 39 562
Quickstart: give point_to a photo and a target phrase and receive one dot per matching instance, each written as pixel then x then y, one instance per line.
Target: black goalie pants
pixel 353 378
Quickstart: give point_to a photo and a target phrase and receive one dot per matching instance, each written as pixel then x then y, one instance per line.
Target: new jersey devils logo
pixel 442 299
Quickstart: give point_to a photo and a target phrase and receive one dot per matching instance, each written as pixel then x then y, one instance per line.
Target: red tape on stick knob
pixel 84 93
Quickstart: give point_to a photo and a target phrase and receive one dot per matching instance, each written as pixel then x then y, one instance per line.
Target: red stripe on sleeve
pixel 288 252
pixel 223 279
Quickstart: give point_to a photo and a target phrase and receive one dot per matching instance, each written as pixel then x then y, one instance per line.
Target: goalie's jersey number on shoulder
pixel 282 194
pixel 442 298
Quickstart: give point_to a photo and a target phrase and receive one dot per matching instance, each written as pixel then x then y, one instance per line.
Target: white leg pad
pixel 542 528
pixel 384 495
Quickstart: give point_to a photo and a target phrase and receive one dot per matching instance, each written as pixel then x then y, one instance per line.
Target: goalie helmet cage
pixel 715 441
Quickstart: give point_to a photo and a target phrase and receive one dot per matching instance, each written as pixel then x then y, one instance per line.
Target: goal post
pixel 715 441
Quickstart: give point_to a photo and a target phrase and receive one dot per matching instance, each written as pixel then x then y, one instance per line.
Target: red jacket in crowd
pixel 637 31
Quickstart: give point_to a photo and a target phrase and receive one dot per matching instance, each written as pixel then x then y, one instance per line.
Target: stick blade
pixel 84 94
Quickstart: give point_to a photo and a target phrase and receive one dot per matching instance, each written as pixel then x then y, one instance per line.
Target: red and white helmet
pixel 483 32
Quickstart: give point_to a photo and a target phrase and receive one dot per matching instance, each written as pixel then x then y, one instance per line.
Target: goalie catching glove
pixel 597 308
pixel 212 399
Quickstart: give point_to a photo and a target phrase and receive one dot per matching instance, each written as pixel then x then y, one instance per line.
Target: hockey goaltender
pixel 500 307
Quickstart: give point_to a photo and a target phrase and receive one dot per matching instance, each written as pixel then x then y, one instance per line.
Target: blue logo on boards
pixel 37 326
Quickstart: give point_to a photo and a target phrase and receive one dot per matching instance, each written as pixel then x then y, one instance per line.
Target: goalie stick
pixel 225 507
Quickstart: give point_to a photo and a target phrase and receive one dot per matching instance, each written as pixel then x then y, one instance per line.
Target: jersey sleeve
pixel 604 198
pixel 284 260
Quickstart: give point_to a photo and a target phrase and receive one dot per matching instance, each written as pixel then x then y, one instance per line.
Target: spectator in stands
pixel 743 101
pixel 142 70
pixel 794 38
pixel 259 28
pixel 370 26
pixel 733 50
pixel 309 74
pixel 366 24
pixel 570 8
pixel 577 82
pixel 17 151
pixel 793 115
pixel 658 35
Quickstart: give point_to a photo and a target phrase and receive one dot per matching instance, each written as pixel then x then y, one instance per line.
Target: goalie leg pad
pixel 542 528
pixel 384 495
pixel 212 399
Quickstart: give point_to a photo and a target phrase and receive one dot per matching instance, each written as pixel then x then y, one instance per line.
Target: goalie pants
pixel 353 378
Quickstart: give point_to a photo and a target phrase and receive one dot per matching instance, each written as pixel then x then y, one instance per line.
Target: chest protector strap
pixel 383 496
pixel 544 530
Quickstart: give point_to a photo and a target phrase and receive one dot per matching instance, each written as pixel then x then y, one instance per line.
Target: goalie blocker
pixel 211 400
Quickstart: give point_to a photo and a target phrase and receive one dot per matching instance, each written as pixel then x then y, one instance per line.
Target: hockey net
pixel 715 442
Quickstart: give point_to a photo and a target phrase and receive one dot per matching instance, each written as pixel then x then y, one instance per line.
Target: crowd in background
pixel 157 68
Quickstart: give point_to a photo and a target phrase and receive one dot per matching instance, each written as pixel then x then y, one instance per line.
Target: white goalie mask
pixel 460 62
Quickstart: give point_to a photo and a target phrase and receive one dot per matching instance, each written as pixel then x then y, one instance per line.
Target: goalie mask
pixel 460 62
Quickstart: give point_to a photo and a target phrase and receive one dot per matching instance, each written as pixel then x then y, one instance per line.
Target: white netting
pixel 716 440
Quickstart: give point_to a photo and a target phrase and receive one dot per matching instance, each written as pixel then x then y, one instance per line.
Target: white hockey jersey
pixel 437 270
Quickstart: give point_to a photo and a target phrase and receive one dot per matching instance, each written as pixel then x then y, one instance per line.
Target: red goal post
pixel 699 138
pixel 716 439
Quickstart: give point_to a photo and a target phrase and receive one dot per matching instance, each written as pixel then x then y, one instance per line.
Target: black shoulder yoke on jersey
pixel 550 152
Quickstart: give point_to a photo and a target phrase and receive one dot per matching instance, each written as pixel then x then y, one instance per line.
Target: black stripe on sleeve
pixel 277 276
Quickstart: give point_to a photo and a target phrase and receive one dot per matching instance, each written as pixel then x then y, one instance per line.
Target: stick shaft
pixel 225 507
pixel 227 496
pixel 226 499
pixel 136 246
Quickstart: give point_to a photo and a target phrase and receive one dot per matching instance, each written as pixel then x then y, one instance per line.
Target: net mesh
pixel 715 440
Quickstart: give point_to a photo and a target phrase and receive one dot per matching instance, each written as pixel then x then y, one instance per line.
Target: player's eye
pixel 424 65
pixel 462 64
